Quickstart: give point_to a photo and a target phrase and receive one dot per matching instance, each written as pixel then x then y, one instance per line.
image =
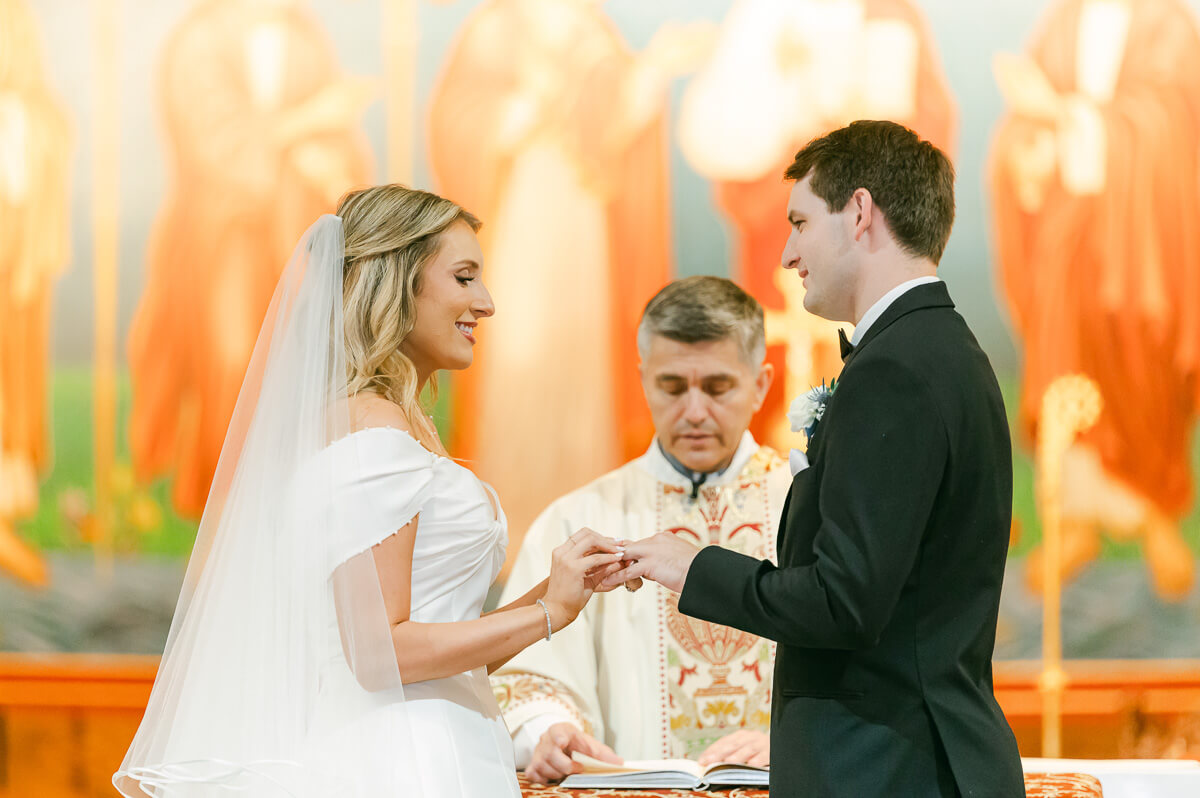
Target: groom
pixel 893 539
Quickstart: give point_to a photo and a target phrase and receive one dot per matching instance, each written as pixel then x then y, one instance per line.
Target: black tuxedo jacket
pixel 891 554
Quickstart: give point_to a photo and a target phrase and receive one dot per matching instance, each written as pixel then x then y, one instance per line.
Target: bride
pixel 328 638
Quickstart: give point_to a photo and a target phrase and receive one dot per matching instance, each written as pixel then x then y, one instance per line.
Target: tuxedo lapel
pixel 929 295
pixel 806 484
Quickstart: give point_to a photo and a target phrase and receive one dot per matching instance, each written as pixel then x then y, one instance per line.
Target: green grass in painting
pixel 1024 504
pixel 71 472
pixel 173 536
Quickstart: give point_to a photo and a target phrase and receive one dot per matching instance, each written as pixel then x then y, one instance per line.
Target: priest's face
pixel 820 249
pixel 702 397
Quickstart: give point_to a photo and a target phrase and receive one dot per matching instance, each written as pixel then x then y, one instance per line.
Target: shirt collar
pixel 656 461
pixel 875 311
pixel 693 476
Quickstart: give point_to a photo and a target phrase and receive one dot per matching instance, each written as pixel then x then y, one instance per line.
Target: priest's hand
pixel 551 758
pixel 664 558
pixel 745 747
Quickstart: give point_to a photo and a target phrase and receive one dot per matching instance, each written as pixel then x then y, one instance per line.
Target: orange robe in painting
pixel 1106 282
pixel 756 207
pixel 35 148
pixel 261 141
pixel 529 129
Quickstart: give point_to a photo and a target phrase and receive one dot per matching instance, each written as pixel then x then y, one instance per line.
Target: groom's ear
pixel 862 205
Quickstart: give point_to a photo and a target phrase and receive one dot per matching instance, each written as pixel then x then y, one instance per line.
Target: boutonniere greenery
pixel 808 409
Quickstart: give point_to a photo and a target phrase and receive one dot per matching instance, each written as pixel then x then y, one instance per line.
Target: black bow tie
pixel 844 344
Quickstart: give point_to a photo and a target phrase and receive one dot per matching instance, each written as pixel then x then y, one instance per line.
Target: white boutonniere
pixel 805 413
pixel 808 409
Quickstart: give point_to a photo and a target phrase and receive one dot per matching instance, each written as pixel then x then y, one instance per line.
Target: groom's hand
pixel 663 558
pixel 551 758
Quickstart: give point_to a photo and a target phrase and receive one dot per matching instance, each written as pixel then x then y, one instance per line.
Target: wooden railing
pixel 66 720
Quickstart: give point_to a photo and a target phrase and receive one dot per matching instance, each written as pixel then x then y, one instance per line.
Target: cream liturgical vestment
pixel 632 670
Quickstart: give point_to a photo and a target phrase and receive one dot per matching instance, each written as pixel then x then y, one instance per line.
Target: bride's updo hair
pixel 391 232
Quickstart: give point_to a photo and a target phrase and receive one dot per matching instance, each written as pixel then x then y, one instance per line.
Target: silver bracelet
pixel 542 604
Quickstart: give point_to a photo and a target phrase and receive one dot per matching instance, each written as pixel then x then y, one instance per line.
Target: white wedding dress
pixel 460 746
pixel 279 678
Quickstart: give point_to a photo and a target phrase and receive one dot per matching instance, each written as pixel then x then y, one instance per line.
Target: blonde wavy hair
pixel 391 232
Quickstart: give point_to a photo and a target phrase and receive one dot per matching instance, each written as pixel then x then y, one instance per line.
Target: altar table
pixel 1037 785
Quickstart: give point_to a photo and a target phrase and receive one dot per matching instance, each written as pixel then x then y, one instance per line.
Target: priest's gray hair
pixel 705 308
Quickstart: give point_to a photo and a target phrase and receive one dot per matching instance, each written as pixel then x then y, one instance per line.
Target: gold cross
pixel 812 354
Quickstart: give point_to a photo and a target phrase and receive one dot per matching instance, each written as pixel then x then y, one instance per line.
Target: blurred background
pixel 158 162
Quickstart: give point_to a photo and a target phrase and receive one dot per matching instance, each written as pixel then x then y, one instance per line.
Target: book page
pixel 720 766
pixel 595 766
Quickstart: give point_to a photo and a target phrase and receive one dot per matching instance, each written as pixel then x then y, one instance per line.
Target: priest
pixel 635 677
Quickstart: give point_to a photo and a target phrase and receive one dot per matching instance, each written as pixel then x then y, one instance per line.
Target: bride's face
pixel 450 304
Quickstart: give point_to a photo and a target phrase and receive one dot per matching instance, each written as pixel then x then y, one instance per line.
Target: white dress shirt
pixel 876 310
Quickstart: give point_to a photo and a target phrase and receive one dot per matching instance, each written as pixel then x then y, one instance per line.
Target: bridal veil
pixel 248 699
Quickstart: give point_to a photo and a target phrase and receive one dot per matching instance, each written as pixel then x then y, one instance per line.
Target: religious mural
pixel 782 73
pixel 35 161
pixel 608 146
pixel 600 143
pixel 263 132
pixel 1095 179
pixel 551 129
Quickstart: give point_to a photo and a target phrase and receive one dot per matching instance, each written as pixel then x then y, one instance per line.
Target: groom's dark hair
pixel 910 180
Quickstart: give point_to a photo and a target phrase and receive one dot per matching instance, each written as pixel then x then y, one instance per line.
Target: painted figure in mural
pixel 834 61
pixel 688 688
pixel 548 126
pixel 35 145
pixel 1094 176
pixel 263 136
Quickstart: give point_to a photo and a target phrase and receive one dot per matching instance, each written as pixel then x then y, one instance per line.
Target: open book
pixel 663 774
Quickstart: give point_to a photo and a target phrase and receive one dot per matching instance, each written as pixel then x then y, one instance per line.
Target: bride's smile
pixel 449 303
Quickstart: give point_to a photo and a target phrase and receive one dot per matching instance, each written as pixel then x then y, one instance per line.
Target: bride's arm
pixel 436 650
pixel 529 599
pixel 538 591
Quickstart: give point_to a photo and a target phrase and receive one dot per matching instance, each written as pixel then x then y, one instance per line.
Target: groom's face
pixel 820 249
pixel 702 396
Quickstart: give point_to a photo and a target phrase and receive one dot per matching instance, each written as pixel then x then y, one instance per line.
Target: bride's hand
pixel 577 568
